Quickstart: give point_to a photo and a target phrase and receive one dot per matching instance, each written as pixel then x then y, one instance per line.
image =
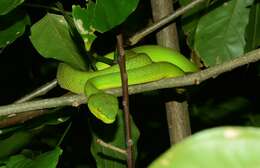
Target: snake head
pixel 103 106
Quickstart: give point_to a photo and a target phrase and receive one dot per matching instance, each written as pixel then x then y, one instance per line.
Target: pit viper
pixel 143 64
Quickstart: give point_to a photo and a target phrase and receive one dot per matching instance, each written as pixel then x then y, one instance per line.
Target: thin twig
pixel 187 80
pixel 155 26
pixel 39 91
pixel 64 134
pixel 112 147
pixel 124 79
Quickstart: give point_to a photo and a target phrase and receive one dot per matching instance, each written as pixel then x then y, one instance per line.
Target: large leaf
pixel 46 160
pixel 113 134
pixel 220 34
pixel 51 37
pixel 101 16
pixel 225 147
pixel 12 26
pixel 253 33
pixel 8 5
pixel 191 18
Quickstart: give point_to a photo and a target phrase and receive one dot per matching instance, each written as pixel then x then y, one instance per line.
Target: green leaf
pixel 12 26
pixel 101 16
pixel 14 143
pixel 8 5
pixel 190 19
pixel 253 34
pixel 51 37
pixel 224 147
pixel 113 134
pixel 46 160
pixel 220 34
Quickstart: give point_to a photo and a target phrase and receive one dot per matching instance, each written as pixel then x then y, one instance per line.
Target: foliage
pixel 216 31
pixel 7 6
pixel 51 30
pixel 100 16
pixel 226 27
pixel 234 146
pixel 253 35
pixel 48 159
pixel 112 134
pixel 12 26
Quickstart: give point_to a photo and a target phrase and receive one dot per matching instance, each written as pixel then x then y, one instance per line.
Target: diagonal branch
pixel 39 91
pixel 162 22
pixel 187 80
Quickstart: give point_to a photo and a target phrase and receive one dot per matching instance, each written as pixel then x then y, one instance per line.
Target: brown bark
pixel 177 112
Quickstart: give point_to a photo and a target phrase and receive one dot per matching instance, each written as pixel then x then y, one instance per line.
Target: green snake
pixel 143 64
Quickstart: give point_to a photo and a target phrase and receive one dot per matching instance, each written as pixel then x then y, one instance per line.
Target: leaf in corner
pixel 8 5
pixel 45 160
pixel 51 38
pixel 253 33
pixel 14 143
pixel 223 147
pixel 220 33
pixel 12 26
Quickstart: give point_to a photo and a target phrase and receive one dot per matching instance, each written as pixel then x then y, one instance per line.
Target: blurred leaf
pixel 224 147
pixel 46 160
pixel 113 134
pixel 8 130
pixel 14 143
pixel 51 37
pixel 253 34
pixel 220 34
pixel 8 5
pixel 12 26
pixel 101 16
pixel 214 110
pixel 253 120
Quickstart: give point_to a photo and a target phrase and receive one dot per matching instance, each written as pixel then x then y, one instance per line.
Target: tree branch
pixel 159 24
pixel 124 80
pixel 187 80
pixel 177 112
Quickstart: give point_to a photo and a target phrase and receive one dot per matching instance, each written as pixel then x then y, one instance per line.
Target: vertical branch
pixel 124 79
pixel 168 36
pixel 177 112
pixel 178 120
